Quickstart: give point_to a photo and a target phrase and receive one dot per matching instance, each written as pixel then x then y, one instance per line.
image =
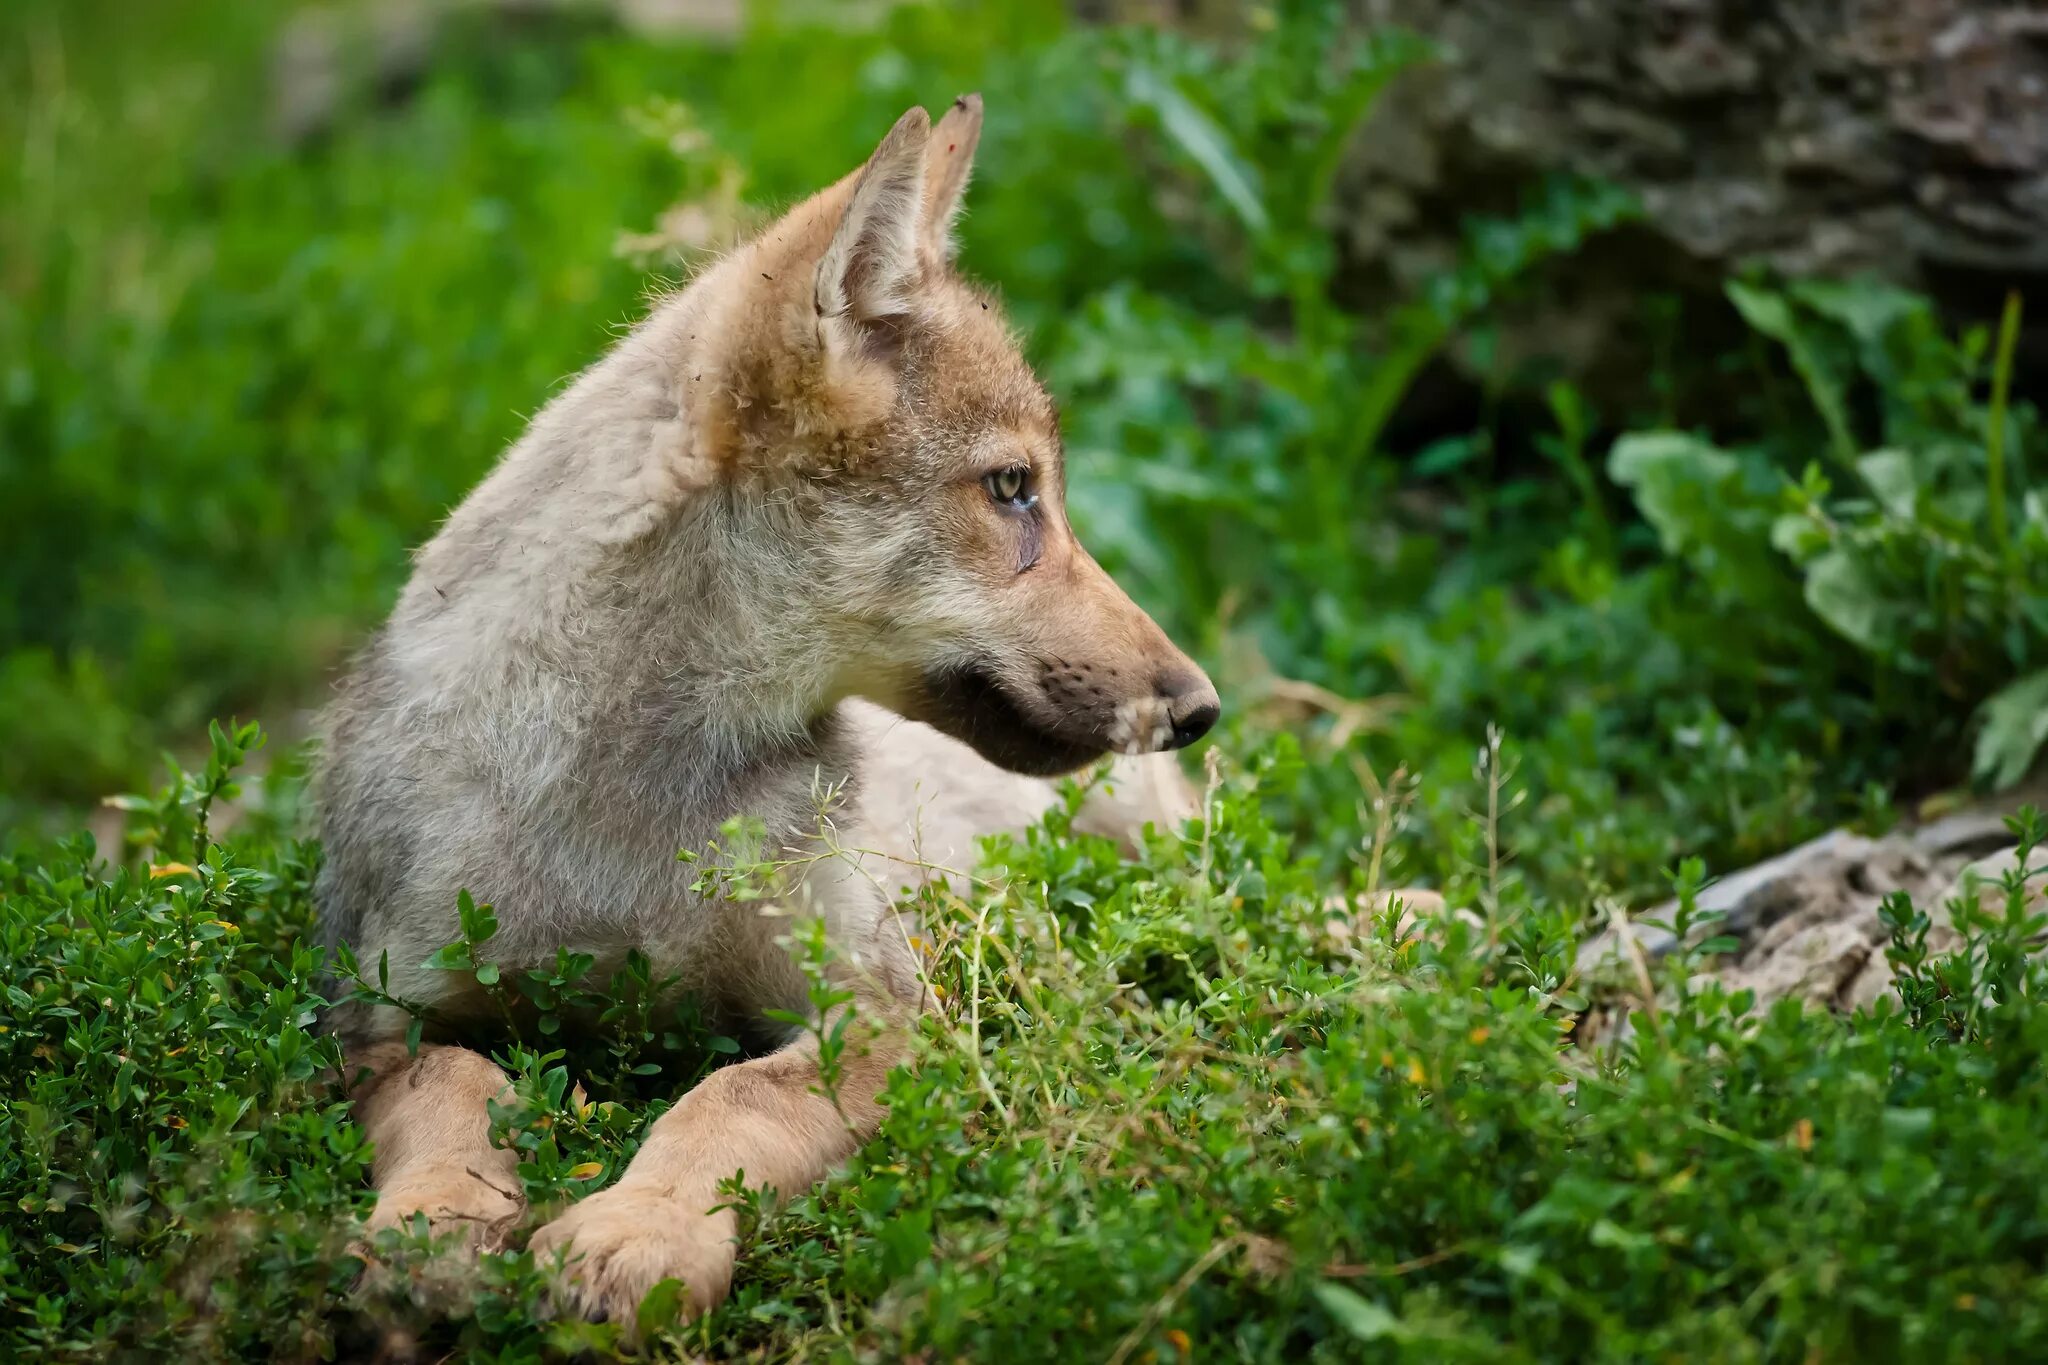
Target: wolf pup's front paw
pixel 455 1199
pixel 619 1243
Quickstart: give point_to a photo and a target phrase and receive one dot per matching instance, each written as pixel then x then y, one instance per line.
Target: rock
pixel 1979 883
pixel 1807 921
pixel 1809 881
pixel 1818 960
pixel 1971 832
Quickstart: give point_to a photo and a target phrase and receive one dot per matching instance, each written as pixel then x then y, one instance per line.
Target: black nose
pixel 1191 706
pixel 1191 724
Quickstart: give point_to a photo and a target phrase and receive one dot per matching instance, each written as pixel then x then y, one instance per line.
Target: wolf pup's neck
pixel 596 582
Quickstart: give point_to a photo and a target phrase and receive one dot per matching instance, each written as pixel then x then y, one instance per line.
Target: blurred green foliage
pixel 242 379
pixel 245 374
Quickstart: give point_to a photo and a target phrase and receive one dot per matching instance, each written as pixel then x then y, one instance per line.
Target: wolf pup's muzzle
pixel 1068 716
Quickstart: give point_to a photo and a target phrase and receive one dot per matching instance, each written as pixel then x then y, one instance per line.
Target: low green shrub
pixel 175 1172
pixel 1906 543
pixel 1167 1109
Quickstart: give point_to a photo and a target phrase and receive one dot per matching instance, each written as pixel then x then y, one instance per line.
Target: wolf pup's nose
pixel 1191 706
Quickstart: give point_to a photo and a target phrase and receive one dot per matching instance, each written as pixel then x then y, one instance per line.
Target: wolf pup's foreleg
pixel 428 1116
pixel 769 1120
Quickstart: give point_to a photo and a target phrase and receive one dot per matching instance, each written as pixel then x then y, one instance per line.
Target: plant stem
pixel 1994 437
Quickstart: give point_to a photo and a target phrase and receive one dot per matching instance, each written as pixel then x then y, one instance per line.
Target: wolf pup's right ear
pixel 949 159
pixel 870 270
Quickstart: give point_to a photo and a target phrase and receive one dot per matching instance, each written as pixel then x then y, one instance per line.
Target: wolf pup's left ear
pixel 869 272
pixel 949 159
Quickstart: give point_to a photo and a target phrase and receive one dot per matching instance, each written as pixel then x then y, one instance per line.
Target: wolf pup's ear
pixel 869 271
pixel 949 158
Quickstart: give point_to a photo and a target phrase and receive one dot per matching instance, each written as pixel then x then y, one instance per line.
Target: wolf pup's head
pixel 878 402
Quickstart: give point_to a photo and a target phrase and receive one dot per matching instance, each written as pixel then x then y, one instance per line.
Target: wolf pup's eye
pixel 1008 486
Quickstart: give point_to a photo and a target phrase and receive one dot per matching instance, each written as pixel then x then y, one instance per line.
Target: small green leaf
pixel 1445 456
pixel 660 1308
pixel 1519 1261
pixel 450 957
pixel 1907 1122
pixel 1608 1233
pixel 1359 1316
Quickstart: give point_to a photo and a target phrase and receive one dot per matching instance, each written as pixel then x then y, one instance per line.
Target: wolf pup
pixel 821 472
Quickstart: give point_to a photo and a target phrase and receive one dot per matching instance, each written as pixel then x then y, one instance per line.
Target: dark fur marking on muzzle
pixel 971 705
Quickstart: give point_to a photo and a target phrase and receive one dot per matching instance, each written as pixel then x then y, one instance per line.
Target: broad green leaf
pixel 2014 727
pixel 1670 472
pixel 1771 313
pixel 1205 143
pixel 1840 591
pixel 1798 536
pixel 1866 309
pixel 1890 476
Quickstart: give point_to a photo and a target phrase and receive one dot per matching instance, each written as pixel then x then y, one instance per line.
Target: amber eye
pixel 1010 487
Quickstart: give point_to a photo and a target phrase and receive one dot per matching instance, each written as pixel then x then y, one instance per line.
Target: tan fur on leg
pixel 427 1116
pixel 766 1118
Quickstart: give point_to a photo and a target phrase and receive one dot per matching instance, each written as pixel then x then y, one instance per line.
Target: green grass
pixel 1566 651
